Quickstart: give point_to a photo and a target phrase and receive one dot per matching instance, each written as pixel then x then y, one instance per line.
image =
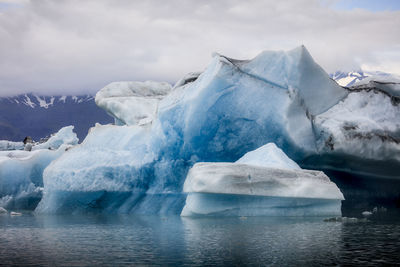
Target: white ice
pixel 132 103
pixel 9 145
pixel 365 125
pixel 227 188
pixel 387 83
pixel 64 136
pixel 269 155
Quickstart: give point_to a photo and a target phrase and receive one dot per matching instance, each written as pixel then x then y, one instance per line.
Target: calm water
pixel 175 241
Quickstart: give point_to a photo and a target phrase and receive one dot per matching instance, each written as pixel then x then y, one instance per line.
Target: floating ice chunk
pixel 132 103
pixel 243 179
pixel 9 145
pixel 366 213
pixel 64 136
pixel 237 189
pixel 268 155
pixel 13 213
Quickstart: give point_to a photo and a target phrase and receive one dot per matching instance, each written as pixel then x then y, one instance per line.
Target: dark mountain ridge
pixel 39 116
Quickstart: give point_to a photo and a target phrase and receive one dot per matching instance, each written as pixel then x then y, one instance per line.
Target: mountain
pixel 350 78
pixel 39 116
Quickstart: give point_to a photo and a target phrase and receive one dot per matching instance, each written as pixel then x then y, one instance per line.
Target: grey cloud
pixel 79 46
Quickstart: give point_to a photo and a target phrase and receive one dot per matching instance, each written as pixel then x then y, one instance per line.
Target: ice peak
pixel 269 155
pixel 295 69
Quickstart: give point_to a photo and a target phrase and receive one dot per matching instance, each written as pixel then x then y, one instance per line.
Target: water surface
pixel 138 240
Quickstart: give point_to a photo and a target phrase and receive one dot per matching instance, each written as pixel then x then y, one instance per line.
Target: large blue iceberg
pixel 233 107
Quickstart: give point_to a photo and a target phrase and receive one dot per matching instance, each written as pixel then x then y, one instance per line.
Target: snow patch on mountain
pixel 359 77
pixel 34 100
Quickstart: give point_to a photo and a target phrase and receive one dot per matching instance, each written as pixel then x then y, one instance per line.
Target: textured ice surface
pixel 268 184
pixel 9 145
pixel 361 134
pixel 132 103
pixel 21 172
pixel 231 108
pixel 365 125
pixel 243 179
pixel 296 70
pixel 115 169
pixel 188 78
pixel 21 180
pixel 386 83
pixel 64 136
pixel 268 155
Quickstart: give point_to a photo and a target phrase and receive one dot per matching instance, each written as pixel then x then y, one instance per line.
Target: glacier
pixel 21 172
pixel 139 165
pixel 262 182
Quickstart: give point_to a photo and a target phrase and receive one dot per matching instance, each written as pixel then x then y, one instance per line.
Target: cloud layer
pixel 80 46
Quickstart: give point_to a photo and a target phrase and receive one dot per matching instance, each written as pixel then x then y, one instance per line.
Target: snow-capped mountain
pixel 34 101
pixel 39 116
pixel 350 78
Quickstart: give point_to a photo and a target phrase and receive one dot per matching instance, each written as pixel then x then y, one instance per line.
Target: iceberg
pixel 21 172
pixel 276 187
pixel 139 165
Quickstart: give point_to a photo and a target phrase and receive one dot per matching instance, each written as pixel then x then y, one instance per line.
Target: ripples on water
pixel 132 240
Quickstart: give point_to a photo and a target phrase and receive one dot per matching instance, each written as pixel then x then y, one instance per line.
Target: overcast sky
pixel 71 47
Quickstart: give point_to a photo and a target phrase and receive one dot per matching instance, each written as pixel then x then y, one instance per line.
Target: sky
pixel 77 47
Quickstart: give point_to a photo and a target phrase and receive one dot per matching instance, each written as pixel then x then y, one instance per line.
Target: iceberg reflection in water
pixel 154 240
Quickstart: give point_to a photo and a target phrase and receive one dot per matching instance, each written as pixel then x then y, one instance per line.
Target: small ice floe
pixel 345 220
pixel 3 211
pixel 13 213
pixel 366 213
